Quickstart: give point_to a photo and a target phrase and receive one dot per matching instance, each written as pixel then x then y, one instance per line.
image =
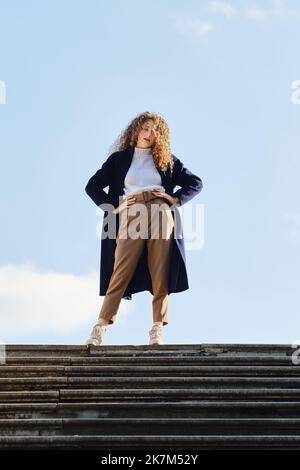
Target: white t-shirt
pixel 142 174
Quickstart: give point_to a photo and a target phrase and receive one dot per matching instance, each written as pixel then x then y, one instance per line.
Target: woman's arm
pixel 190 183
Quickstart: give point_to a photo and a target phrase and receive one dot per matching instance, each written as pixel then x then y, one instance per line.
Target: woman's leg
pixel 127 253
pixel 103 322
pixel 159 244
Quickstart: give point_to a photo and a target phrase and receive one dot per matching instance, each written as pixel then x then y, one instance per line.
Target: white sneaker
pixel 97 335
pixel 156 335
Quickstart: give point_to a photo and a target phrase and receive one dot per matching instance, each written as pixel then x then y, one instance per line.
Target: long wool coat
pixel 112 174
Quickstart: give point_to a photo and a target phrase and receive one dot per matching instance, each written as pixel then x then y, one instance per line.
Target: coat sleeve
pixel 101 179
pixel 190 183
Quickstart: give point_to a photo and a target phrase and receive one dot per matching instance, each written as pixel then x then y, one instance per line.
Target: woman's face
pixel 146 136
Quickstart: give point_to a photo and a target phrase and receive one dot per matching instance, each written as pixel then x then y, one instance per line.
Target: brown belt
pixel 144 196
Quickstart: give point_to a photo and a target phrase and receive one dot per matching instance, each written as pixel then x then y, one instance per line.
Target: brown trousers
pixel 149 220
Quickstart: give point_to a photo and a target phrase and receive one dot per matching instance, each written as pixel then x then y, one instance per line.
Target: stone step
pixel 173 349
pixel 47 395
pixel 12 371
pixel 118 361
pixel 152 409
pixel 150 426
pixel 178 394
pixel 150 394
pixel 165 442
pixel 173 383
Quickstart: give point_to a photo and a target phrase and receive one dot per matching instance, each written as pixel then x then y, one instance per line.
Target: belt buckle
pixel 145 195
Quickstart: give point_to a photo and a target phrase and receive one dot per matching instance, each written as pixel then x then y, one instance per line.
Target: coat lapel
pixel 126 162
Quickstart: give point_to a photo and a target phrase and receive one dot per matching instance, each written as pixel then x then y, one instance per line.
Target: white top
pixel 142 174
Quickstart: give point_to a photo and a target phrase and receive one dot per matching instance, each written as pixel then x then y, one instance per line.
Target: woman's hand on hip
pixel 171 200
pixel 128 201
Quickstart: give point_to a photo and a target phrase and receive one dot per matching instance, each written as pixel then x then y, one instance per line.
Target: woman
pixel 145 252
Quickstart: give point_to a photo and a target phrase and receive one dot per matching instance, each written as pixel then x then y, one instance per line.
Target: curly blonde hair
pixel 160 149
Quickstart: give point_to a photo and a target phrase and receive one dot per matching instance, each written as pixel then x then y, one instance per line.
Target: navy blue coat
pixel 112 174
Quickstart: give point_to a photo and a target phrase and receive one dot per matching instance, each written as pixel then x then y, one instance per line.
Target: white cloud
pixel 34 301
pixel 192 26
pixel 278 9
pixel 280 5
pixel 199 27
pixel 223 8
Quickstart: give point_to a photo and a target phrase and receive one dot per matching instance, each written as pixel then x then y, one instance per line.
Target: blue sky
pixel 221 74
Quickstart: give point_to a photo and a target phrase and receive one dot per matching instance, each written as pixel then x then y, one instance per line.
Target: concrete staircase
pixel 182 396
